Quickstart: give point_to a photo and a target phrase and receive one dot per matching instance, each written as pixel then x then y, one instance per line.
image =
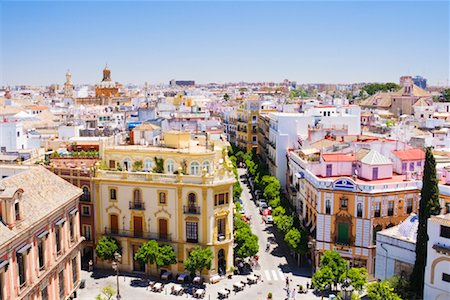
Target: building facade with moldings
pixel 39 235
pixel 186 204
pixel 345 198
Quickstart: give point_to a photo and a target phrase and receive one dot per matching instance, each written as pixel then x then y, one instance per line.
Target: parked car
pixel 268 219
pixel 262 207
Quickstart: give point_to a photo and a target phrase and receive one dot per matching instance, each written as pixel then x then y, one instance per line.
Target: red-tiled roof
pixel 411 154
pixel 338 157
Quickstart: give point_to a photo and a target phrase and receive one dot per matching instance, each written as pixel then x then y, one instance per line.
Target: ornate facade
pixel 107 87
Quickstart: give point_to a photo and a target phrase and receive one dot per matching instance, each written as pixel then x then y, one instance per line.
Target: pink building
pixel 39 234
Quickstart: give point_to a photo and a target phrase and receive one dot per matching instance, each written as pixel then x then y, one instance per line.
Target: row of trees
pixel 159 255
pixel 285 220
pixel 373 88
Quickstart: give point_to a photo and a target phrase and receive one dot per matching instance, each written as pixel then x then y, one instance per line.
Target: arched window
pixel 86 194
pixel 137 196
pixel 195 168
pixel 126 164
pixel 205 165
pixel 148 165
pixel 170 166
pixel 359 210
pixel 192 199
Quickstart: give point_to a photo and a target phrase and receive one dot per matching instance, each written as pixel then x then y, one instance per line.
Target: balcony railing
pixel 190 209
pixel 137 205
pixel 139 234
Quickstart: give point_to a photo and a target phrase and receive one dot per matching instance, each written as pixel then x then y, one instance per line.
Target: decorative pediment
pixel 162 211
pixel 221 213
pixel 113 208
pixel 344 184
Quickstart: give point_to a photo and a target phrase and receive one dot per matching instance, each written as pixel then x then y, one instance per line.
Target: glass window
pixel 113 194
pixel 87 232
pixel 162 198
pixel 44 293
pixel 445 231
pixel 58 239
pixel 344 203
pixel 71 229
pixel 403 167
pixel 170 166
pixel 409 206
pixel 192 232
pixel 327 207
pixel 221 199
pixel 148 165
pixel 85 210
pixel 17 210
pixel 377 212
pixel 61 284
pixel 205 165
pixel 136 196
pixel 86 194
pixel 195 168
pixel 21 269
pixel 391 208
pixel 74 270
pixel 221 227
pixel 419 163
pixel 359 210
pixel 411 166
pixel 41 253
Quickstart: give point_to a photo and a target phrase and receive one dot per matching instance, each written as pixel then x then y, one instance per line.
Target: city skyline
pixel 342 42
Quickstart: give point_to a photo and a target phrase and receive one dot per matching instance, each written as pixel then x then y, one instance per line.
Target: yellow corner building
pixel 185 205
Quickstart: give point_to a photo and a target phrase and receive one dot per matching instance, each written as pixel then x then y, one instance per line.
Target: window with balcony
pixel 359 210
pixel 113 194
pixel 328 207
pixel 344 203
pixel 86 232
pixel 62 290
pixel 221 223
pixel 391 208
pixel 58 239
pixel 41 253
pixel 221 199
pixel 86 197
pixel 192 232
pixel 21 270
pixel 377 210
pixel 74 270
pixel 44 293
pixel 409 206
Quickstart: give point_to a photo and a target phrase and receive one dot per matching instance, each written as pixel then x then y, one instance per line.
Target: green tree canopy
pixel 381 291
pixel 151 252
pixel 428 205
pixel 335 262
pixel 445 95
pixel 322 279
pixel 106 247
pixel 357 276
pixel 372 88
pixel 247 244
pixel 284 223
pixel 299 92
pixel 199 259
pixel 108 293
pixel 278 211
pixel 272 190
pixel 293 239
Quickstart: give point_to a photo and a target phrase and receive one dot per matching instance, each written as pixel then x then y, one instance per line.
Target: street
pixel 275 266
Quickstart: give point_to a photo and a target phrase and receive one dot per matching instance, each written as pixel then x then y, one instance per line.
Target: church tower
pixel 68 86
pixel 106 88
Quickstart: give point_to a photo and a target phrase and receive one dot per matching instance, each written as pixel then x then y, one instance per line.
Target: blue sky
pixel 336 42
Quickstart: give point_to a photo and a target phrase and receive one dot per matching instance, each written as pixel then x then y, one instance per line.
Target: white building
pixel 12 137
pixel 437 271
pixel 396 249
pixel 287 130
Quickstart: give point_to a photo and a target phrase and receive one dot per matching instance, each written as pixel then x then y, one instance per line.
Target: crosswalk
pixel 274 275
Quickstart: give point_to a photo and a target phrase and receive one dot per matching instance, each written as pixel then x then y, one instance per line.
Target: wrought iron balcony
pixel 137 205
pixel 190 209
pixel 158 236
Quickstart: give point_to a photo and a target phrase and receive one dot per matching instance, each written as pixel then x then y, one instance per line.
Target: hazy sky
pixel 215 41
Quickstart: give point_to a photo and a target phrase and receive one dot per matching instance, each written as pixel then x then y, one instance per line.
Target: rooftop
pixel 411 154
pixel 406 230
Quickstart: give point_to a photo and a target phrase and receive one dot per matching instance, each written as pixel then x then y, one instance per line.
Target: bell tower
pixel 106 74
pixel 68 86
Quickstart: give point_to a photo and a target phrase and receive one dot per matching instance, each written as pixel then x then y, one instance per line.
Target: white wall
pixel 12 136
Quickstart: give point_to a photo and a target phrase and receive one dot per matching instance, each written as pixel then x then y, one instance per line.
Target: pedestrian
pixel 293 294
pixel 287 282
pixel 91 265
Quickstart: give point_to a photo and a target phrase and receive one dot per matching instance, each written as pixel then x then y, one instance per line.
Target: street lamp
pixel 115 266
pixel 346 287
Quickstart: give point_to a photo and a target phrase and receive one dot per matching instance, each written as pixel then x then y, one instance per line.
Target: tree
pixel 295 93
pixel 275 202
pixel 381 291
pixel 272 190
pixel 106 247
pixel 428 205
pixel 198 259
pixel 246 244
pixel 446 95
pixel 357 276
pixel 293 239
pixel 152 253
pixel 137 165
pixel 278 211
pixel 159 165
pixel 373 88
pixel 226 97
pixel 284 223
pixel 107 293
pixel 322 279
pixel 335 262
